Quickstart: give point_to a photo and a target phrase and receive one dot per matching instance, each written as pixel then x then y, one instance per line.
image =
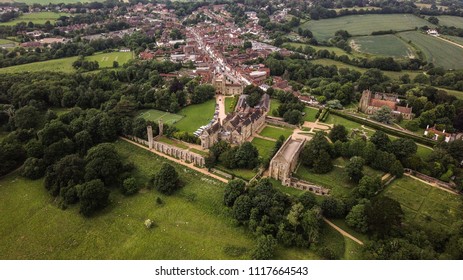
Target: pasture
pixel 383 45
pixel 196 116
pixel 437 51
pixel 451 21
pixel 36 18
pixel 191 224
pixel 363 24
pixel 424 204
pixel 275 132
pixel 155 115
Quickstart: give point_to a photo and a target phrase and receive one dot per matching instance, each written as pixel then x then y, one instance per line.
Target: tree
pixel 403 148
pixel 166 180
pixel 354 168
pixel 115 64
pixel 67 171
pixel 333 207
pixel 33 168
pixel 247 45
pixel 383 115
pixel 93 196
pixel 368 186
pixel 247 156
pixel 265 248
pixel 26 117
pixel 316 154
pixel 129 186
pixel 295 214
pixel 308 200
pixel 433 20
pixel 293 117
pixel 232 191
pixel 383 215
pixel 311 224
pixel 381 140
pixel 242 208
pixel 104 163
pixel 396 169
pixel 202 93
pixel 357 218
pixel 338 132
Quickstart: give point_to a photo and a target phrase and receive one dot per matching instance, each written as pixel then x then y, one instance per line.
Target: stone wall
pixel 424 177
pixel 278 122
pixel 306 186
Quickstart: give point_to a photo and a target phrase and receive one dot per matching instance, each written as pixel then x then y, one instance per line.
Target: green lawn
pixel 246 174
pixel 172 142
pixel 192 224
pixel 274 104
pixel 384 45
pixel 36 18
pixel 196 116
pixel 310 114
pixel 230 103
pixel 155 115
pixel 435 50
pixel 423 204
pixel 275 132
pixel 363 24
pixel 423 152
pixel 265 147
pixel 105 60
pixel 451 21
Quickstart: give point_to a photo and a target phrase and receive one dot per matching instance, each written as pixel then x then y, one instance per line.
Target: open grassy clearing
pixel 363 24
pixel 456 93
pixel 337 51
pixel 265 147
pixel 391 74
pixel 105 60
pixel 192 224
pixel 384 45
pixel 435 50
pixel 229 104
pixel 36 18
pixel 196 116
pixel 274 104
pixel 275 132
pixel 451 21
pixel 425 204
pixel 155 115
pixel 310 114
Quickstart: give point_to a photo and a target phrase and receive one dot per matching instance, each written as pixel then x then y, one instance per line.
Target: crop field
pixel 105 60
pixel 275 132
pixel 191 224
pixel 384 45
pixel 196 116
pixel 422 203
pixel 363 24
pixel 36 18
pixel 437 51
pixel 264 147
pixel 155 115
pixel 451 21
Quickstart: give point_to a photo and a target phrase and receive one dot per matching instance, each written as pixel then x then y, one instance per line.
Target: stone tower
pixel 149 131
pixel 365 100
pixel 161 127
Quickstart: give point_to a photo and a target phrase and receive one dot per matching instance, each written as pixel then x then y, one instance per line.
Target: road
pixel 220 99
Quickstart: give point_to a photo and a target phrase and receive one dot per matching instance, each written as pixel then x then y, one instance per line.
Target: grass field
pixel 229 102
pixel 105 60
pixel 451 21
pixel 4 43
pixel 155 115
pixel 310 114
pixel 458 40
pixel 274 104
pixel 192 224
pixel 422 203
pixel 36 18
pixel 363 24
pixel 384 45
pixel 264 147
pixel 275 132
pixel 456 93
pixel 196 116
pixel 435 50
pixel 172 142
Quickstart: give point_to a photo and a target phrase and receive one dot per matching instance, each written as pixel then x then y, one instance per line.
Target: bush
pixel 265 248
pixel 129 186
pixel 167 180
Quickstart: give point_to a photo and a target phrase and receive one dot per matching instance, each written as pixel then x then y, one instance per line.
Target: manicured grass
pixel 310 114
pixel 196 115
pixel 435 50
pixel 333 119
pixel 36 18
pixel 61 111
pixel 275 132
pixel 191 224
pixel 391 74
pixel 363 24
pixel 423 152
pixel 105 60
pixel 384 45
pixel 265 147
pixel 172 142
pixel 155 115
pixel 274 104
pixel 451 21
pixel 230 103
pixel 422 203
pixel 199 152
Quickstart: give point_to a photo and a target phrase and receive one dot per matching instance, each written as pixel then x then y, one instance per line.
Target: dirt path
pixel 189 165
pixel 341 231
pixel 450 42
pixel 431 184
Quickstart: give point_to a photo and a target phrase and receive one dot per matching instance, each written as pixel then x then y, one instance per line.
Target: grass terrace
pixel 196 116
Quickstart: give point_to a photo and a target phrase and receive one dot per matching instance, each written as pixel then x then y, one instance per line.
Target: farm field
pixel 33 227
pixel 264 147
pixel 451 21
pixel 456 39
pixel 196 116
pixel 422 203
pixel 435 50
pixel 105 60
pixel 363 24
pixel 275 132
pixel 391 74
pixel 36 18
pixel 155 115
pixel 383 45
